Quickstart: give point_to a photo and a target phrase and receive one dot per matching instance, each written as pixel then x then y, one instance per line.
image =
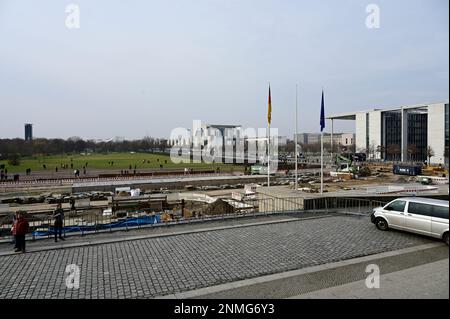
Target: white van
pixel 414 214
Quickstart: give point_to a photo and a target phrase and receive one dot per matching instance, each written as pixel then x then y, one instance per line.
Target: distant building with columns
pixel 403 133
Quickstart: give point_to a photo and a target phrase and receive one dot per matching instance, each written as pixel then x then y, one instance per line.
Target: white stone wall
pixel 347 139
pixel 360 131
pixel 375 130
pixel 436 131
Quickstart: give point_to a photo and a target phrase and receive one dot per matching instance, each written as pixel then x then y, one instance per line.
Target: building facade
pixel 28 132
pixel 406 133
pixel 341 139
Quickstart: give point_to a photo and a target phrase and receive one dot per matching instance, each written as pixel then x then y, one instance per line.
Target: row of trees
pixel 10 148
pixel 393 152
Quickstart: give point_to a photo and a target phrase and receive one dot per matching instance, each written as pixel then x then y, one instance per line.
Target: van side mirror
pixel 388 208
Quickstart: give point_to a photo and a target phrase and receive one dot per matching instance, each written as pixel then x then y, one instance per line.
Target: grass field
pixel 100 161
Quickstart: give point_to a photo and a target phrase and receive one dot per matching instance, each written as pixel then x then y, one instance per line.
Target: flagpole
pixel 268 159
pixel 321 162
pixel 269 119
pixel 322 126
pixel 296 137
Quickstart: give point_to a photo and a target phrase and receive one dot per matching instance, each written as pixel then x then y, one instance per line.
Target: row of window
pixel 420 209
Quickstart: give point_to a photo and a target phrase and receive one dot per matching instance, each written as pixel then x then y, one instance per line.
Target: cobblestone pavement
pixel 160 230
pixel 159 266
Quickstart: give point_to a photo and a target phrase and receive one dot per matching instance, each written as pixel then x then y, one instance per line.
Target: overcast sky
pixel 137 68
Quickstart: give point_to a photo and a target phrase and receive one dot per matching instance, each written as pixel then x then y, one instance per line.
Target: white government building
pixel 402 133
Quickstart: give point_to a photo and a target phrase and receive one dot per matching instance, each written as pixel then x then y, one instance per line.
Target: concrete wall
pixel 436 131
pixel 360 131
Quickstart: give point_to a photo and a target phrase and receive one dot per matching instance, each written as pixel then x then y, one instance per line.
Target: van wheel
pixel 381 224
pixel 445 238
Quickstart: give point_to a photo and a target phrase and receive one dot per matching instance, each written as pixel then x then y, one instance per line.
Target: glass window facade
pixel 391 132
pixel 417 136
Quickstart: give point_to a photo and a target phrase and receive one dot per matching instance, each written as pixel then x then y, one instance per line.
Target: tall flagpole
pixel 269 119
pixel 321 162
pixel 268 159
pixel 322 126
pixel 296 137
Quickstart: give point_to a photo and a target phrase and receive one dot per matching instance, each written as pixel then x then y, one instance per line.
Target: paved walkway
pixel 160 266
pixel 403 275
pixel 429 281
pixel 144 232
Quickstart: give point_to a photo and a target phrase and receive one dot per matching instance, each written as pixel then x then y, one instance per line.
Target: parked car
pixel 418 215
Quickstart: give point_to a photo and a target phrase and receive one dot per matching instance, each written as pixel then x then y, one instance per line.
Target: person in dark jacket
pixel 21 229
pixel 58 216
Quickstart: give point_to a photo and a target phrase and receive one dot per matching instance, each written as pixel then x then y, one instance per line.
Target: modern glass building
pixel 405 133
pixel 28 132
pixel 390 122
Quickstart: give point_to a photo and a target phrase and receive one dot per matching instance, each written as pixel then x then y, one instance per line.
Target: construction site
pixel 107 204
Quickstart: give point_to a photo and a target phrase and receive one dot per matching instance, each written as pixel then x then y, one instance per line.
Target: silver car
pixel 414 214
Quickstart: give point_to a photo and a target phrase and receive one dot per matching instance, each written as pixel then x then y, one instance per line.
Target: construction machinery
pixel 346 167
pixel 435 171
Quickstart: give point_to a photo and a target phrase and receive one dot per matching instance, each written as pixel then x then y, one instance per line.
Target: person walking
pixel 21 229
pixel 58 216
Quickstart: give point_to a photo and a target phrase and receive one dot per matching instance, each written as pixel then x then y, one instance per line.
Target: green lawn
pixel 100 161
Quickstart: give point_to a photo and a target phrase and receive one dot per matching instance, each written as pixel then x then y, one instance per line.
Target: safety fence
pixel 5 186
pixel 100 221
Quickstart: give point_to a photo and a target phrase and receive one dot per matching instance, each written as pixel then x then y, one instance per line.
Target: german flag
pixel 269 111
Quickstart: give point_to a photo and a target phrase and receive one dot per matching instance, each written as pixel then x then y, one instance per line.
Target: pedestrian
pixel 72 203
pixel 13 230
pixel 58 216
pixel 21 229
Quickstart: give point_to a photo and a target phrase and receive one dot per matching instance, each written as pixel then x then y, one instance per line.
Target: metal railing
pixel 41 226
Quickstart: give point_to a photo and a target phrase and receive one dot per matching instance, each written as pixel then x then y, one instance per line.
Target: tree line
pixel 13 148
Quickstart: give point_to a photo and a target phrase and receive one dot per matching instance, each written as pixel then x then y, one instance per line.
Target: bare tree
pixel 412 151
pixel 381 150
pixel 430 153
pixel 393 150
pixel 371 150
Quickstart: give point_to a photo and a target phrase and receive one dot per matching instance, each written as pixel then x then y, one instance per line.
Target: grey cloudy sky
pixel 137 68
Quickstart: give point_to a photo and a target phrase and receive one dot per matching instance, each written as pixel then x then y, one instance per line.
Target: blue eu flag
pixel 322 115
